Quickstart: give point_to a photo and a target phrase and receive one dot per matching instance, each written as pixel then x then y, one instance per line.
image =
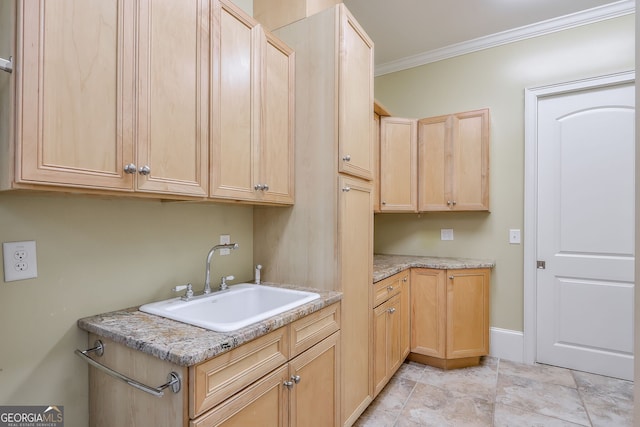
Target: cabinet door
pixel 376 162
pixel 398 165
pixel 265 403
pixel 453 158
pixel 234 95
pixel 276 167
pixel 405 315
pixel 428 315
pixel 355 99
pixel 434 159
pixel 394 328
pixel 355 252
pixel 315 399
pixel 380 348
pixel 75 115
pixel 468 313
pixel 470 139
pixel 172 87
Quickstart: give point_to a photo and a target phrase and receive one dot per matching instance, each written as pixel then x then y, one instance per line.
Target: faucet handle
pixel 187 295
pixel 225 278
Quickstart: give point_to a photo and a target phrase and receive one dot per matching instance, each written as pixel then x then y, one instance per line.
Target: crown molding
pixel 589 16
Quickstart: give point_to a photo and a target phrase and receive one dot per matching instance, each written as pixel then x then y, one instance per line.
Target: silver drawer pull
pixel 389 288
pixel 173 379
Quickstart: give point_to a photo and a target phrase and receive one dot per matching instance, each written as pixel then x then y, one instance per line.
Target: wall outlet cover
pixel 20 261
pixel 446 234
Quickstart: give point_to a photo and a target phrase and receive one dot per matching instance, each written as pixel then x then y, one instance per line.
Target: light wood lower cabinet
pixel 390 328
pixel 449 316
pixel 304 392
pixel 289 377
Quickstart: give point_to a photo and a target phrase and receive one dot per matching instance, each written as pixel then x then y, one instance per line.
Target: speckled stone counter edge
pixel 188 345
pixel 387 265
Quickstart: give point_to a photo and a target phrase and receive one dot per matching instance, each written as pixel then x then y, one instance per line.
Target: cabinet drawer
pixel 385 289
pixel 312 329
pixel 214 380
pixel 262 404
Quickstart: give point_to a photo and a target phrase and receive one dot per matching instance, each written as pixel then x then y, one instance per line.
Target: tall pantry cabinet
pixel 325 240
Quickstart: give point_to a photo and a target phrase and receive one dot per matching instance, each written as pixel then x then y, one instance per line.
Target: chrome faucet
pixel 207 279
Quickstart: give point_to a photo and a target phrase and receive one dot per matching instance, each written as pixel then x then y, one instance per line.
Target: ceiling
pixel 402 29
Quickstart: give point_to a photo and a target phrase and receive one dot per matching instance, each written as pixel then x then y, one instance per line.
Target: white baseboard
pixel 506 344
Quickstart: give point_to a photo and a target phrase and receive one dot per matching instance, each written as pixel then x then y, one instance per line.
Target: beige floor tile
pixel 607 410
pixel 386 407
pixel 433 406
pixel 619 389
pixel 537 372
pixel 502 394
pixel 543 398
pixel 508 416
pixel 478 381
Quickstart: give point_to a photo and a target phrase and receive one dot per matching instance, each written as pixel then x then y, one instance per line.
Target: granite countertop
pixel 188 345
pixel 387 265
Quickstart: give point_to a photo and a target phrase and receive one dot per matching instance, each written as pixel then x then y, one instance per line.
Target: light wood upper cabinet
pixel 449 316
pixel 172 102
pixel 102 109
pixel 276 165
pixel 449 169
pixel 453 153
pixel 355 149
pixel 168 98
pixel 252 111
pixel 398 165
pixel 74 73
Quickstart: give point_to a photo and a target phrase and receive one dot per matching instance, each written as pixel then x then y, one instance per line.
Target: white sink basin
pixel 232 309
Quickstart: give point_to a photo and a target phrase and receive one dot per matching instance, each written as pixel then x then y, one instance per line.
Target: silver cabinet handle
pixel 258 187
pixel 296 378
pixel 288 384
pixel 405 279
pixel 130 168
pixel 454 203
pixel 384 203
pixel 392 310
pixel 144 170
pixel 265 187
pixel 389 288
pixel 448 202
pixel 451 277
pixel 346 189
pixel 347 158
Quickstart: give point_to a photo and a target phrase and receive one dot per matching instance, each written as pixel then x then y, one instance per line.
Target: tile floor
pixel 500 393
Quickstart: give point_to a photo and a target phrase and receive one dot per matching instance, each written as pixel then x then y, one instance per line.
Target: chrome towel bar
pixel 173 379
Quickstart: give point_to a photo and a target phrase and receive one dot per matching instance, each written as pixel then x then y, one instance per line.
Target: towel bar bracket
pixel 6 64
pixel 173 379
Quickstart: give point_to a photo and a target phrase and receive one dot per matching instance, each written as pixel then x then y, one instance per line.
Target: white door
pixel 585 230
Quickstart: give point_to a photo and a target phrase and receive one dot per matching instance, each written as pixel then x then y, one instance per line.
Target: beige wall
pixel 96 255
pixel 494 78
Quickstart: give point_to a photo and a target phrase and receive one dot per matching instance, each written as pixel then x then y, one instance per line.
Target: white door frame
pixel 532 96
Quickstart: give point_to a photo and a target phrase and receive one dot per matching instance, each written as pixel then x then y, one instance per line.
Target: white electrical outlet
pixel 446 234
pixel 225 239
pixel 20 260
pixel 514 236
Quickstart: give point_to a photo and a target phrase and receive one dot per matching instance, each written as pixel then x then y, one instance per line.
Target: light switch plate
pixel 446 234
pixel 514 236
pixel 20 260
pixel 225 239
